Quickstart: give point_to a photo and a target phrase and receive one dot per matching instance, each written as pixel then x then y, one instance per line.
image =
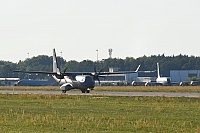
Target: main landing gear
pixel 86 91
pixel 64 91
pixel 83 90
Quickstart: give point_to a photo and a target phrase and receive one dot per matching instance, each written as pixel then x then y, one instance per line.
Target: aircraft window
pixel 168 80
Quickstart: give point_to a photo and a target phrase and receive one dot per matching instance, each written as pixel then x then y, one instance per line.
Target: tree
pixel 44 63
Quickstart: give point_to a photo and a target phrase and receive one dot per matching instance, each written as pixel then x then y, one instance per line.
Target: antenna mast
pixel 110 53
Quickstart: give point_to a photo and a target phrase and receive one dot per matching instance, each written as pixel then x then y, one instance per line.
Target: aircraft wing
pixel 123 72
pixel 35 72
pixel 48 73
pixel 93 73
pixel 73 74
pixel 32 72
pixel 100 73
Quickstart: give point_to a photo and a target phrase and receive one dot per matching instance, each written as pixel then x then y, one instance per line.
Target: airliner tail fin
pixel 158 70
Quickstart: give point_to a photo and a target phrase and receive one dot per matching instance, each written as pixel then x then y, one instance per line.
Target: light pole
pixel 60 59
pixel 97 55
pixel 28 63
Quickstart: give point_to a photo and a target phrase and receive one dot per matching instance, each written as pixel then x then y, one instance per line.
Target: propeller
pixel 96 74
pixel 60 75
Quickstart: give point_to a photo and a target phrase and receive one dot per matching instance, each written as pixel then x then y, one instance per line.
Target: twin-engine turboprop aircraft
pixel 85 81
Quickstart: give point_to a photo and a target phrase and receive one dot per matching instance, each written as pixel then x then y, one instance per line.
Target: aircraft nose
pixel 93 84
pixel 90 85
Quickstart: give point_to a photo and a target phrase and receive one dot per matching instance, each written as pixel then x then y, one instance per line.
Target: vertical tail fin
pixel 55 65
pixel 158 70
pixel 137 68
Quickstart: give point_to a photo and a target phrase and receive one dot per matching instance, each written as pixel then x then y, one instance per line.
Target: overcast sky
pixel 77 28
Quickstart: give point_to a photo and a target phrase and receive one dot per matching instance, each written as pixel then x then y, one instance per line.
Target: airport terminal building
pixel 149 76
pixel 174 75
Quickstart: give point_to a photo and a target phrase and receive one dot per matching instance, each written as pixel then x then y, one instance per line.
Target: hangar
pixel 174 75
pixel 148 76
pixel 8 81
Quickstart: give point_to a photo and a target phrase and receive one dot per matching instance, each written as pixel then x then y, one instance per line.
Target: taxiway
pixel 107 93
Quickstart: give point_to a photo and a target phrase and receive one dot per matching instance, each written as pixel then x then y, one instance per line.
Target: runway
pixel 107 93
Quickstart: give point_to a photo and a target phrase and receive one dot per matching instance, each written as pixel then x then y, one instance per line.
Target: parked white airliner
pixel 162 80
pixel 159 80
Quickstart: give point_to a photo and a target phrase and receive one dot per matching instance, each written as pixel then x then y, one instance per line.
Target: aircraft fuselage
pixel 163 81
pixel 82 82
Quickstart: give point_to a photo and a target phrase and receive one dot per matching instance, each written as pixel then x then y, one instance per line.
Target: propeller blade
pixel 95 70
pixel 96 74
pixel 65 70
pixel 59 82
pixel 61 75
pixel 100 71
pixel 98 80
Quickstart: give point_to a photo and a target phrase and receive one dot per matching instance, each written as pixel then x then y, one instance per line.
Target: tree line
pixel 44 63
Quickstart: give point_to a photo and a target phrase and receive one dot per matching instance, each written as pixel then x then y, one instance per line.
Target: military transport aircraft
pixel 85 81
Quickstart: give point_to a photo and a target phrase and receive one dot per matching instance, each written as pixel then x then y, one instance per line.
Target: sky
pixel 78 28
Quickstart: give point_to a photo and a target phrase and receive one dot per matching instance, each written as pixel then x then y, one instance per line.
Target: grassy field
pixel 63 113
pixel 116 88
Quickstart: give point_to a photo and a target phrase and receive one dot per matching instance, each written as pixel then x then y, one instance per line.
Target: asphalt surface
pixel 107 93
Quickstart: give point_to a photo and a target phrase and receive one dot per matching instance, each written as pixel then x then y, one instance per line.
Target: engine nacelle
pixel 181 84
pixel 147 84
pixel 134 83
pixel 66 87
pixel 192 83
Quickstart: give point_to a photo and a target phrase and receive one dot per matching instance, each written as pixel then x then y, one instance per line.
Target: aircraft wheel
pixel 83 91
pixel 88 91
pixel 63 91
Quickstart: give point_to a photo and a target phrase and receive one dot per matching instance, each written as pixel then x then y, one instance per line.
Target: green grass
pixel 30 88
pixel 63 113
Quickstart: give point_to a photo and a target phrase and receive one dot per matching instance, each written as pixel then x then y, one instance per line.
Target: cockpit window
pixel 168 81
pixel 89 79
